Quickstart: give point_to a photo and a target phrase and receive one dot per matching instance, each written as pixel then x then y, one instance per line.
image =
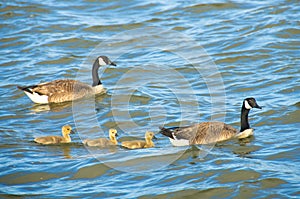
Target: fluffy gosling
pixel 103 142
pixel 138 144
pixel 54 139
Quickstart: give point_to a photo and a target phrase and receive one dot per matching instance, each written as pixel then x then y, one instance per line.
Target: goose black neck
pixel 96 79
pixel 244 119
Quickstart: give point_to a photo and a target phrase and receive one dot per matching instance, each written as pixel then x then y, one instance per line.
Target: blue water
pixel 178 63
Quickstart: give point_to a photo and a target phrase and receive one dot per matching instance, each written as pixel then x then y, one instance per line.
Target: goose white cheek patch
pixel 247 105
pixel 101 62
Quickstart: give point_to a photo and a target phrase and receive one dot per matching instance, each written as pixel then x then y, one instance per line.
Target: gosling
pixel 103 142
pixel 54 139
pixel 138 144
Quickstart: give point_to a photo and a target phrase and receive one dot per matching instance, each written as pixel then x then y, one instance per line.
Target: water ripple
pixel 255 46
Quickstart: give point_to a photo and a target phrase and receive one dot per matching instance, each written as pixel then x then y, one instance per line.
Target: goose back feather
pixel 202 133
pixel 58 91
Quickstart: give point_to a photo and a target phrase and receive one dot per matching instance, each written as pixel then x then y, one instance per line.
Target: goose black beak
pixel 72 132
pixel 257 106
pixel 113 64
pixel 117 135
pixel 154 138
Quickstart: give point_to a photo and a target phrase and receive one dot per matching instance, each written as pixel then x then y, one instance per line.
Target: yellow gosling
pixel 66 131
pixel 138 144
pixel 103 142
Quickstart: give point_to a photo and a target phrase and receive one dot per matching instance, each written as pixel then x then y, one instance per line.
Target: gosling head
pixel 150 135
pixel 67 129
pixel 103 60
pixel 250 103
pixel 113 133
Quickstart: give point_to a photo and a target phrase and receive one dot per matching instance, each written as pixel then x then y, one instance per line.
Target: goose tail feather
pixel 27 88
pixel 166 132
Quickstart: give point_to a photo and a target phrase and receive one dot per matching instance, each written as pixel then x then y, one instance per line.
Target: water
pixel 178 63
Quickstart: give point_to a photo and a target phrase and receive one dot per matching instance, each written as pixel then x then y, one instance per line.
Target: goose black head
pixel 103 60
pixel 251 103
pixel 100 61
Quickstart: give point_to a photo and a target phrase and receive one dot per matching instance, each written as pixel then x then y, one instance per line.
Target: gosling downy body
pixel 103 142
pixel 66 131
pixel 138 144
pixel 64 90
pixel 211 132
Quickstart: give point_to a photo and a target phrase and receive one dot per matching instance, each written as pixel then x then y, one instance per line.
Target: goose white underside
pixel 99 89
pixel 36 98
pixel 245 133
pixel 179 142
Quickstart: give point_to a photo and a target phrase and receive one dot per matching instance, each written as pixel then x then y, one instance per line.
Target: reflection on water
pixel 50 107
pixel 66 151
pixel 254 45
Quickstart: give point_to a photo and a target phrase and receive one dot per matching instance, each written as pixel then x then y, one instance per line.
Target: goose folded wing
pixel 60 86
pixel 186 133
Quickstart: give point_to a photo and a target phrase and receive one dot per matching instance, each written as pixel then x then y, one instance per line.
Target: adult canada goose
pixel 54 139
pixel 138 144
pixel 103 142
pixel 63 90
pixel 211 132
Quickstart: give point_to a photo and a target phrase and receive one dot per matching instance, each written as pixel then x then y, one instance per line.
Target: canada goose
pixel 210 132
pixel 138 144
pixel 103 142
pixel 63 90
pixel 66 130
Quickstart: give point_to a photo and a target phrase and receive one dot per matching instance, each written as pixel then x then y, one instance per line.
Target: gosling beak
pixel 72 132
pixel 117 135
pixel 154 138
pixel 113 64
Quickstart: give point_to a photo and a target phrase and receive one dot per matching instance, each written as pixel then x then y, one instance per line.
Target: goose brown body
pixel 66 131
pixel 63 90
pixel 203 133
pixel 211 132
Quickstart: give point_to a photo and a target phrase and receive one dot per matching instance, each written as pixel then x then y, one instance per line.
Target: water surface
pixel 178 63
